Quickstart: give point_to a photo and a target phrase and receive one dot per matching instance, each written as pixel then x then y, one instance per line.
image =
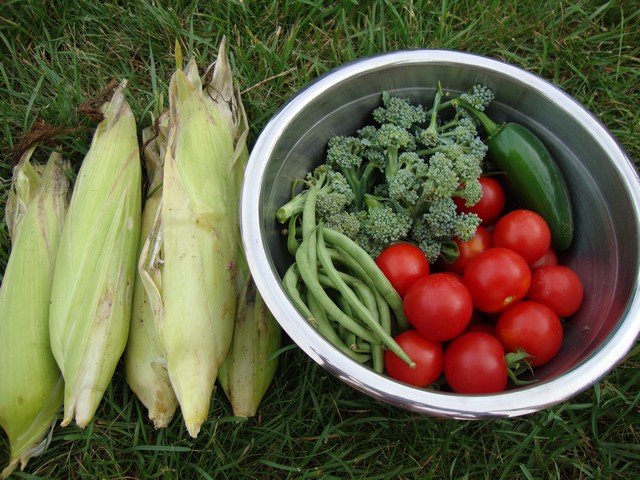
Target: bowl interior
pixel 601 179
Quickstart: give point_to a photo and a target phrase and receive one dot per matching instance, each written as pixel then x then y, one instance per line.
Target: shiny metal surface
pixel 602 179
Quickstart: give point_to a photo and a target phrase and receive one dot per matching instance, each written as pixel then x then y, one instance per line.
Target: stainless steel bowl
pixel 602 179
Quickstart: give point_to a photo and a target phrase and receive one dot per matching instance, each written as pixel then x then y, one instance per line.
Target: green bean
pixel 384 315
pixel 327 330
pixel 310 278
pixel 381 282
pixel 339 256
pixel 292 238
pixel 359 308
pixel 290 283
pixel 360 347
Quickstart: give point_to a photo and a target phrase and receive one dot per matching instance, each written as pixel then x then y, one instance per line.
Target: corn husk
pixel 94 275
pixel 144 357
pixel 31 385
pixel 199 235
pixel 251 363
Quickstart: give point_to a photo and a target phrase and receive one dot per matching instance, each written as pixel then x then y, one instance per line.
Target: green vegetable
pixel 392 181
pixel 532 175
pixel 31 385
pixel 92 284
pixel 395 180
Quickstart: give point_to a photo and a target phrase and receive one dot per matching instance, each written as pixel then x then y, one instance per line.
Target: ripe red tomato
pixel 523 231
pixel 550 257
pixel 490 205
pixel 469 250
pixel 558 287
pixel 439 306
pixel 531 327
pixel 474 363
pixel 496 279
pixel 426 354
pixel 403 264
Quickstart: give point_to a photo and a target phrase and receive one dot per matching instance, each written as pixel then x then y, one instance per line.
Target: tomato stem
pixel 519 362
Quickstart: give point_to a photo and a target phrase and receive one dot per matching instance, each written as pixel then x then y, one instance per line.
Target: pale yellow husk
pixel 31 385
pixel 199 231
pixel 144 356
pixel 95 266
pixel 251 364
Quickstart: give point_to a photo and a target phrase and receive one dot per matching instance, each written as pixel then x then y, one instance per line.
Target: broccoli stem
pixel 392 167
pixel 292 207
pixel 361 182
pixel 433 122
pixel 490 127
pixel 421 206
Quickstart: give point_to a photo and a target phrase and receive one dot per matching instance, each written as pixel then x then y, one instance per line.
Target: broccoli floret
pixel 479 96
pixel 384 224
pixel 334 194
pixel 440 224
pixel 385 145
pixel 430 136
pixel 440 182
pixel 392 138
pixel 398 111
pixel 335 197
pixel 347 223
pixel 345 155
pixel 465 226
pixel 440 219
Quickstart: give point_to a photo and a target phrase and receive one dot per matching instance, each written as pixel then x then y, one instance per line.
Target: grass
pixel 56 55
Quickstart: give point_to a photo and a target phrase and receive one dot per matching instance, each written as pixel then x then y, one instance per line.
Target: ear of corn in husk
pixel 94 275
pixel 144 356
pixel 199 235
pixel 250 365
pixel 31 385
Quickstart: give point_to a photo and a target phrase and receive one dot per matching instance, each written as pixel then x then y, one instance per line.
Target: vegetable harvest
pixel 394 181
pixel 191 265
pixel 408 197
pixel 31 384
pixel 158 276
pixel 167 287
pixel 95 264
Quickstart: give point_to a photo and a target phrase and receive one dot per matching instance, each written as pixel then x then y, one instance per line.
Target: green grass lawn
pixel 55 55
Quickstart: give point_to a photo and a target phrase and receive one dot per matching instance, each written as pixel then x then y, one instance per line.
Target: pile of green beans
pixel 339 289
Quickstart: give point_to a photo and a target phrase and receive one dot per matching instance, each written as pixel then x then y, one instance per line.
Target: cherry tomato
pixel 558 287
pixel 550 257
pixel 474 363
pixel 439 306
pixel 496 279
pixel 490 205
pixel 469 250
pixel 523 231
pixel 426 354
pixel 531 327
pixel 403 264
